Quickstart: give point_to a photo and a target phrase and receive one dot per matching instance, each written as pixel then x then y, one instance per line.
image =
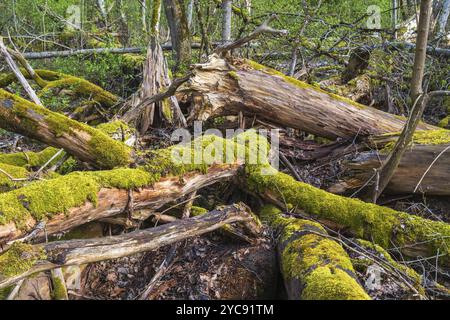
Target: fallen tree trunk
pixel 68 53
pixel 22 260
pixel 78 198
pixel 313 267
pixel 55 81
pixel 82 141
pixel 245 86
pixel 411 235
pixel 226 88
pixel 422 169
pixel 65 202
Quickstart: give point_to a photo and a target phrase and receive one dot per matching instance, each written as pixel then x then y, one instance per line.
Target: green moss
pixel 116 128
pixel 29 158
pixel 110 153
pixel 82 88
pixel 167 110
pixel 59 289
pixel 444 122
pixel 426 137
pixel 43 199
pixel 385 226
pixel 321 265
pixel 156 13
pixel 233 75
pixel 326 283
pixel 207 150
pixel 198 211
pixel 15 172
pixel 19 258
pixel 301 84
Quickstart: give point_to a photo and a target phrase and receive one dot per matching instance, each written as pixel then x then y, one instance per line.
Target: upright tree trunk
pixel 394 17
pixel 179 32
pixel 443 18
pixel 423 29
pixel 226 24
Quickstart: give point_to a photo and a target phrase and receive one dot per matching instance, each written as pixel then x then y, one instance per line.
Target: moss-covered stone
pixel 19 258
pixel 314 267
pixel 384 226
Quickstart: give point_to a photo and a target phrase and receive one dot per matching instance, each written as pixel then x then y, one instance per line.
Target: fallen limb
pixel 82 141
pixel 313 266
pixel 22 260
pixel 15 69
pixel 413 236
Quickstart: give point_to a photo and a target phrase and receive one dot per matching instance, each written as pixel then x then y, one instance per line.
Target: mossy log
pixel 50 81
pixel 423 169
pixel 81 197
pixel 28 159
pixel 82 141
pixel 228 87
pixel 413 236
pixel 313 266
pixel 11 176
pixel 22 260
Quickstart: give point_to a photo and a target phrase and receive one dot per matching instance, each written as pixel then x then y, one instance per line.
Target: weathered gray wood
pixel 76 252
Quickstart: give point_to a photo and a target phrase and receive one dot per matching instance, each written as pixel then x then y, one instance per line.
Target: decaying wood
pixel 111 202
pixel 390 165
pixel 84 142
pixel 410 235
pixel 230 87
pixel 77 252
pixel 15 69
pixel 359 169
pixel 313 266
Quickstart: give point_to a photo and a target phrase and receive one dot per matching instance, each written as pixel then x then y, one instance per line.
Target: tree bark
pixel 443 18
pixel 229 88
pixel 106 202
pixel 77 252
pixel 82 141
pixel 179 32
pixel 423 30
pixel 313 266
